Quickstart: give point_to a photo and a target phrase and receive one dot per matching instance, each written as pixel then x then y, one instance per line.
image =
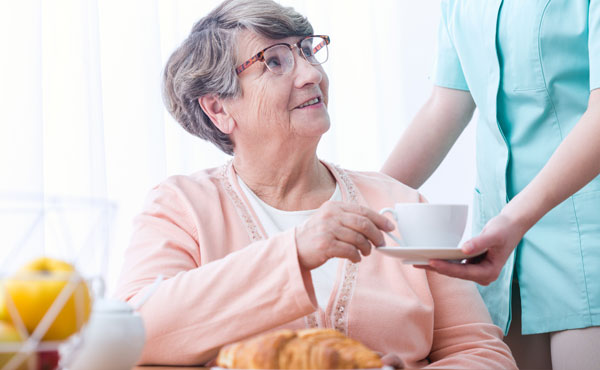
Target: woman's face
pixel 273 108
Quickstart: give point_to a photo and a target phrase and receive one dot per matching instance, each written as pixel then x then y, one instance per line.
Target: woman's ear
pixel 216 111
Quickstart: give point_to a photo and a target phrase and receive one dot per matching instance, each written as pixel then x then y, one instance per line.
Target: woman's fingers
pixel 360 231
pixel 340 230
pixel 342 249
pixel 354 238
pixel 366 222
pixel 380 221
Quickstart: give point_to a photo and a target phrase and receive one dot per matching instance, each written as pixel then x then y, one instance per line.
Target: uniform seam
pixel 498 125
pixel 587 295
pixel 561 138
pixel 452 85
pixel 539 42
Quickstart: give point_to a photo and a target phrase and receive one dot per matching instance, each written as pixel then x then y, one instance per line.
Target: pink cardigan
pixel 225 282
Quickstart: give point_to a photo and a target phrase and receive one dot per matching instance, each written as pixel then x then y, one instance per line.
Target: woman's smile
pixel 316 102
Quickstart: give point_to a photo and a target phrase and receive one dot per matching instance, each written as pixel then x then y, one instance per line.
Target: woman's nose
pixel 306 73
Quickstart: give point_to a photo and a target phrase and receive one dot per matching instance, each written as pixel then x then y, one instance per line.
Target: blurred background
pixel 84 134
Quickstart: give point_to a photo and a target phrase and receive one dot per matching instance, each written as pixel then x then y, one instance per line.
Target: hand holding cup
pixel 428 225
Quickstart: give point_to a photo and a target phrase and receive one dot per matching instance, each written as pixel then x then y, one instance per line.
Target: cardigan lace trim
pixel 339 316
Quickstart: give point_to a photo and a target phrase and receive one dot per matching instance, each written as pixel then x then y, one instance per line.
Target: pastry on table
pixel 301 349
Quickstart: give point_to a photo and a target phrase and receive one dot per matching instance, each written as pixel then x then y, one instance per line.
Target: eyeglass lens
pixel 279 59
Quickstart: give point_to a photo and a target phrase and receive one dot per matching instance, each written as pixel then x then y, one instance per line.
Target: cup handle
pixel 394 237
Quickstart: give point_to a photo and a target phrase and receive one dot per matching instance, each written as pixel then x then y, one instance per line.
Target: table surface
pixel 167 368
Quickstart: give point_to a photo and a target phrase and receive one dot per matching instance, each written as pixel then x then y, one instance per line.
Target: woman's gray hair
pixel 205 62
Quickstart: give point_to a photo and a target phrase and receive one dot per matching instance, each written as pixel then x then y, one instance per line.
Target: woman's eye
pixel 273 62
pixel 307 50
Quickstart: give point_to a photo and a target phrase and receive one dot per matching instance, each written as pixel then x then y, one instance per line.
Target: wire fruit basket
pixel 40 342
pixel 47 277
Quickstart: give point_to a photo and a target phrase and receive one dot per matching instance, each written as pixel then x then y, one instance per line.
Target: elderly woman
pixel 277 238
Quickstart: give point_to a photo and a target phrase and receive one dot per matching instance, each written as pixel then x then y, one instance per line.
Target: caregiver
pixel 532 68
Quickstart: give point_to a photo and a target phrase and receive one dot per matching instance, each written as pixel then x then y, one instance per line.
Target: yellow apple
pixel 36 285
pixel 8 332
pixel 9 343
pixel 3 311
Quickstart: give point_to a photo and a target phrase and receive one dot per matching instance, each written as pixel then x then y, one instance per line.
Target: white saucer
pixel 422 255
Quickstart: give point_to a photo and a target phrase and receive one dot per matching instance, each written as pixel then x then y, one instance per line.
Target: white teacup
pixel 428 225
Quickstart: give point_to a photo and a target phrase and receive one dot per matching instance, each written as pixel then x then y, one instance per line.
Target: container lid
pixel 112 306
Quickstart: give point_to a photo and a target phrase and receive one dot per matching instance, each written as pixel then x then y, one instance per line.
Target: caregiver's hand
pixel 339 230
pixel 499 237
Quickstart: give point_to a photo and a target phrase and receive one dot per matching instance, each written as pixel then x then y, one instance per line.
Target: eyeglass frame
pixel 260 56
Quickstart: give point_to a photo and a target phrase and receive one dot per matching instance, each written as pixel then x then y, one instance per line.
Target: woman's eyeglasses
pixel 280 60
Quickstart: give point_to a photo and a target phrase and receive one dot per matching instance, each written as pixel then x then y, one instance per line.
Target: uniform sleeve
pixel 463 335
pixel 594 43
pixel 200 307
pixel 448 70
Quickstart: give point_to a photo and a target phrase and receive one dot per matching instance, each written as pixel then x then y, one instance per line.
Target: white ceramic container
pixel 113 339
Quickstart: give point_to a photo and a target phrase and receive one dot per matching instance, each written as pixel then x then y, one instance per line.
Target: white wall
pixel 81 112
pixel 454 180
pixel 384 83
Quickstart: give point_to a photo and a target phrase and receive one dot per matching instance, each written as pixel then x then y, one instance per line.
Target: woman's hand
pixel 339 230
pixel 499 237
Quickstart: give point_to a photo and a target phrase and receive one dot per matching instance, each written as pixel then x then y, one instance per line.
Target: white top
pixel 275 221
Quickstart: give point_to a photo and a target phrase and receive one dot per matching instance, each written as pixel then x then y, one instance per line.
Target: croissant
pixel 302 349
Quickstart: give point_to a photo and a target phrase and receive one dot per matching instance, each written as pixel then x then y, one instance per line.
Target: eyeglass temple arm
pixel 320 45
pixel 249 62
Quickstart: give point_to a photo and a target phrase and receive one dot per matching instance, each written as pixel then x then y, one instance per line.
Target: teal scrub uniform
pixel 530 66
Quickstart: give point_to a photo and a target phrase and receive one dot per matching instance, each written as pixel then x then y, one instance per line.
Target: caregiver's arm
pixel 575 163
pixel 429 137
